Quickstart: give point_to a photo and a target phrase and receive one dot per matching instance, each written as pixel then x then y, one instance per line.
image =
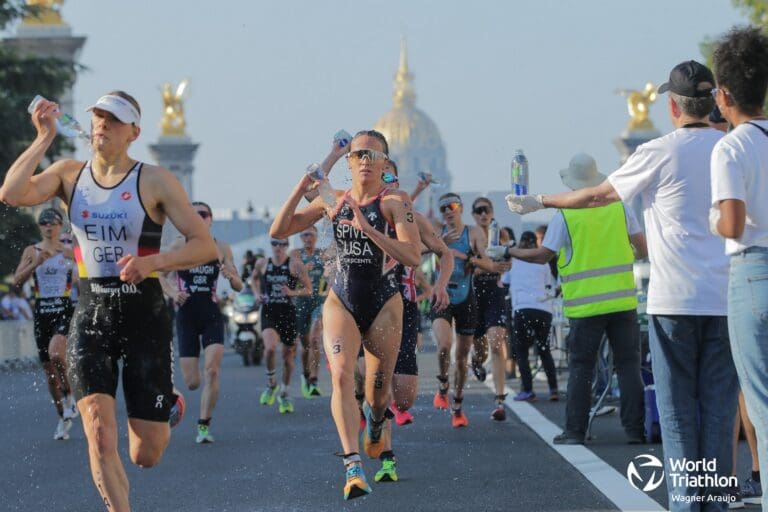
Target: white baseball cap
pixel 121 108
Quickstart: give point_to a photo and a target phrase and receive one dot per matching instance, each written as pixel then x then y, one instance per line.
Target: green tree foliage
pixel 21 77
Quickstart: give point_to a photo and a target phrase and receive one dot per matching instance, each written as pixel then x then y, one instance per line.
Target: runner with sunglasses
pixel 274 284
pixel 117 207
pixel 199 321
pixel 309 310
pixel 374 230
pixel 49 263
pixel 468 247
pixel 491 329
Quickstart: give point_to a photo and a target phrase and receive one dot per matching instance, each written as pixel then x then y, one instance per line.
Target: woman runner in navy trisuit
pixel 374 230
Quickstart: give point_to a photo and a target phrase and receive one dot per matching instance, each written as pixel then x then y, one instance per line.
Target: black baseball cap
pixel 690 79
pixel 50 216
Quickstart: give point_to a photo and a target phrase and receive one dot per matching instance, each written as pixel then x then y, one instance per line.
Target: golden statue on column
pixel 47 13
pixel 173 123
pixel 638 103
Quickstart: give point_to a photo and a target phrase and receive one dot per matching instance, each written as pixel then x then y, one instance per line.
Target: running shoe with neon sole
pixel 375 435
pixel 499 413
pixel 388 471
pixel 441 400
pixel 305 388
pixel 356 485
pixel 284 404
pixel 402 417
pixel 203 435
pixel 314 390
pixel 268 396
pixel 177 410
pixel 459 419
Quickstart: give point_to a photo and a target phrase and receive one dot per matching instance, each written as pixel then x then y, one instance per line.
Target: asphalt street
pixel 263 460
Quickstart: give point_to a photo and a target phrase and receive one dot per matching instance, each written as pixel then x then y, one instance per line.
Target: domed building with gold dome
pixel 414 140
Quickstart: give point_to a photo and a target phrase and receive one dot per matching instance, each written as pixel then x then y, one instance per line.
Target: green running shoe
pixel 314 390
pixel 388 471
pixel 203 435
pixel 268 396
pixel 285 404
pixel 306 388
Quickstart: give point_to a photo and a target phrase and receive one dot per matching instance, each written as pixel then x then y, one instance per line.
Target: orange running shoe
pixel 376 435
pixel 441 400
pixel 356 483
pixel 459 419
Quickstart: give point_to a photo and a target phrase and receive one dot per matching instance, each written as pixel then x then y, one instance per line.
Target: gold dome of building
pixel 414 140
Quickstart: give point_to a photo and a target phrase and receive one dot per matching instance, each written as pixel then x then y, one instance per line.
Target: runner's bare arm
pixel 288 221
pixel 228 268
pixel 478 241
pixel 437 246
pixel 258 270
pixel 300 271
pixel 27 264
pixel 326 165
pixel 169 279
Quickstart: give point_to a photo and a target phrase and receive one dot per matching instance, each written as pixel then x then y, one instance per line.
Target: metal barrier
pixel 17 343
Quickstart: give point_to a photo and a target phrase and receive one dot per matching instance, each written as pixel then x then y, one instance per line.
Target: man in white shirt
pixel 599 299
pixel 696 384
pixel 739 191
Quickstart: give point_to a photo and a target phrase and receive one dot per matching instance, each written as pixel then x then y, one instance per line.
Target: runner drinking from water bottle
pixel 117 207
pixel 374 229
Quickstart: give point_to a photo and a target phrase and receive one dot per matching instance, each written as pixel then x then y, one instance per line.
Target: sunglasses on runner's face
pixel 204 214
pixel 48 223
pixel 279 244
pixel 481 210
pixel 389 178
pixel 370 154
pixel 450 206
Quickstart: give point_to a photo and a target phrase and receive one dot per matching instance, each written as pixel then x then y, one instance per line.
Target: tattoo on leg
pixel 337 346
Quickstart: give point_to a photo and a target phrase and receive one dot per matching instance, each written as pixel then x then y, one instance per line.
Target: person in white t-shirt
pixel 688 279
pixel 740 214
pixel 532 289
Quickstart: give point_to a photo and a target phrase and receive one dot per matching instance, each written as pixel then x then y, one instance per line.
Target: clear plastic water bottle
pixel 342 138
pixel 519 173
pixel 327 194
pixel 66 125
pixel 427 177
pixel 494 234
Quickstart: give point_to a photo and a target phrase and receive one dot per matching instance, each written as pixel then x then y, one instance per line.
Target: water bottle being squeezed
pixel 324 188
pixel 342 138
pixel 66 125
pixel 494 250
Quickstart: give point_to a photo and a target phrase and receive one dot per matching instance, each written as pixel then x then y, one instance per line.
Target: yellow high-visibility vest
pixel 598 277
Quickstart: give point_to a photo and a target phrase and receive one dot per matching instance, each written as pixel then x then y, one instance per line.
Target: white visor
pixel 119 107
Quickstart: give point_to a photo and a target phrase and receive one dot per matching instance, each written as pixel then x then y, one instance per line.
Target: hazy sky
pixel 272 81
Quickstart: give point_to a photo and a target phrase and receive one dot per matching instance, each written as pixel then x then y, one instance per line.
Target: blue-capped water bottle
pixel 519 173
pixel 66 125
pixel 342 138
pixel 324 188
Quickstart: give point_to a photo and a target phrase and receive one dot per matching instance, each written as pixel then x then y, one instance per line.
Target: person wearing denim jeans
pixel 739 177
pixel 693 368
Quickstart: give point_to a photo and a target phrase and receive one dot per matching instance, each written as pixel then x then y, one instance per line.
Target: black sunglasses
pixel 49 223
pixel 204 214
pixel 279 244
pixel 307 234
pixel 479 210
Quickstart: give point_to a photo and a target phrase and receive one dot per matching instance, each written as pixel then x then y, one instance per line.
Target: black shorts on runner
pixel 281 318
pixel 198 323
pixel 464 313
pixel 116 321
pixel 406 357
pixel 51 317
pixel 491 310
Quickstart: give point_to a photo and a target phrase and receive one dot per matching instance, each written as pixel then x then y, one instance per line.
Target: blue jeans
pixel 748 327
pixel 697 395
